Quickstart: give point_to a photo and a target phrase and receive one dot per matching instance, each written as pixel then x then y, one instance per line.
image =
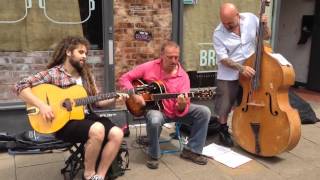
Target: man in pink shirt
pixel 169 71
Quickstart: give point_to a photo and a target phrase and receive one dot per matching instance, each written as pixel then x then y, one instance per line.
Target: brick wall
pixel 129 16
pixel 16 65
pixel 153 16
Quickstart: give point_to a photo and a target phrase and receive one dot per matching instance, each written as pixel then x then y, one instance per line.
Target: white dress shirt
pixel 237 48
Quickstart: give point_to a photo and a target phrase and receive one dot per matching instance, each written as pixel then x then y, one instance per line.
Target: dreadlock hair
pixel 59 56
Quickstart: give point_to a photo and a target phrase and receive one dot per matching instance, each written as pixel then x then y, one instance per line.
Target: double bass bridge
pixel 255 104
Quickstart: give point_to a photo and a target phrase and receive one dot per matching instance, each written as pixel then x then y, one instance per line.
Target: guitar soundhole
pixel 67 104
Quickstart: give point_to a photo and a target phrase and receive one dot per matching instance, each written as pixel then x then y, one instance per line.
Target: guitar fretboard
pixel 158 97
pixel 92 99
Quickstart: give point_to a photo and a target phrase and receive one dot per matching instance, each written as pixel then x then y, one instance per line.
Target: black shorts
pixel 76 131
pixel 227 94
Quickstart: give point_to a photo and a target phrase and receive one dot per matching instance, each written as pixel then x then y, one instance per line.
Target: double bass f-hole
pixel 249 102
pixel 245 109
pixel 274 113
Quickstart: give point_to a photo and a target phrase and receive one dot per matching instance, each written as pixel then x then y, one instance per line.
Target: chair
pixel 75 161
pixel 173 136
pixel 144 140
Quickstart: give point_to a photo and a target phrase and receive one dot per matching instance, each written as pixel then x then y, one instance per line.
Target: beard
pixel 76 64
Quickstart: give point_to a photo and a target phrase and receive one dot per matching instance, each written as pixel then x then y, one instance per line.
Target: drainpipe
pixel 275 24
pixel 108 43
pixel 177 24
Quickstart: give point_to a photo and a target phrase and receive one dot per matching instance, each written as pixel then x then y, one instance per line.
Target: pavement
pixel 302 162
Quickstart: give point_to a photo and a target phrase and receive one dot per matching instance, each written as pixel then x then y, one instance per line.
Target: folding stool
pixel 75 161
pixel 176 135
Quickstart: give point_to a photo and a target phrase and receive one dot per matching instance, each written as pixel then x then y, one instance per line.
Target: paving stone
pixel 287 164
pixel 308 151
pixel 311 174
pixel 7 174
pixel 7 169
pixel 38 159
pixel 311 132
pixel 138 169
pixel 7 164
pixel 49 171
pixel 5 155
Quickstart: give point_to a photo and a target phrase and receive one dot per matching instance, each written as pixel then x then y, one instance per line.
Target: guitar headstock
pixel 204 93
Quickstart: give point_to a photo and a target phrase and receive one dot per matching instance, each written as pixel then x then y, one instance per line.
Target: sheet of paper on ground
pixel 225 155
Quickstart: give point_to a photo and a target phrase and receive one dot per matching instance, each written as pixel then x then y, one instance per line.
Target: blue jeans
pixel 198 115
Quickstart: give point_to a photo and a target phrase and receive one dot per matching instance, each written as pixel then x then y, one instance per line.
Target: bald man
pixel 234 41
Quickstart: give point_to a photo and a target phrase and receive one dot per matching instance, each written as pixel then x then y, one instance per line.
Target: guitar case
pixel 30 142
pixel 307 115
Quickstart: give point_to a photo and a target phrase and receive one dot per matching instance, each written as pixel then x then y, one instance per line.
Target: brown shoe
pixel 194 157
pixel 152 163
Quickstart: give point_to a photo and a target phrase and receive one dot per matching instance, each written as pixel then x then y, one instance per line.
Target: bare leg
pixel 110 150
pixel 92 148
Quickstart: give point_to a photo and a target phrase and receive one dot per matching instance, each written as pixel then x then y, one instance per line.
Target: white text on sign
pixel 207 57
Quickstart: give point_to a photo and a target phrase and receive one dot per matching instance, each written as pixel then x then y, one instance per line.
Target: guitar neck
pixel 92 99
pixel 157 97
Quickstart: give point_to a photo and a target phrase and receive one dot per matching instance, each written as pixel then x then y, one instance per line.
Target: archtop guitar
pixel 153 94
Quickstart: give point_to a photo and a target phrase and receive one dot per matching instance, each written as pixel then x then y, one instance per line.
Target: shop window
pixel 36 25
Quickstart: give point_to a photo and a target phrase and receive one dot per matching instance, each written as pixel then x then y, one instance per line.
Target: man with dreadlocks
pixel 66 68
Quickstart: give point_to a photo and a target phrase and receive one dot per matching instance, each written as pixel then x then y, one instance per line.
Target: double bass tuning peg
pixel 266 2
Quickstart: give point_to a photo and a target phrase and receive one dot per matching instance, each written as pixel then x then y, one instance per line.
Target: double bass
pixel 264 123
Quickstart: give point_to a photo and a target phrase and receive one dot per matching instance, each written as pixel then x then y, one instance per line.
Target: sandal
pixel 94 177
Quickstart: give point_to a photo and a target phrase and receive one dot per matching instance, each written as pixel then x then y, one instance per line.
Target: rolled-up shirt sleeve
pixel 31 81
pixel 125 81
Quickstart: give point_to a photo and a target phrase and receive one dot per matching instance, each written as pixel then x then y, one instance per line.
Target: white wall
pixel 290 20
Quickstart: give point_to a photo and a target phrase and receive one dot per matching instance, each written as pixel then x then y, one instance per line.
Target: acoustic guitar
pixel 68 103
pixel 155 92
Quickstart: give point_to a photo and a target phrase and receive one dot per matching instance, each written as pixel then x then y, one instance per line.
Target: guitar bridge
pixel 33 111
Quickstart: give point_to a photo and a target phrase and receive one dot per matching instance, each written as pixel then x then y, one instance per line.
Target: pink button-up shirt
pixel 152 71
